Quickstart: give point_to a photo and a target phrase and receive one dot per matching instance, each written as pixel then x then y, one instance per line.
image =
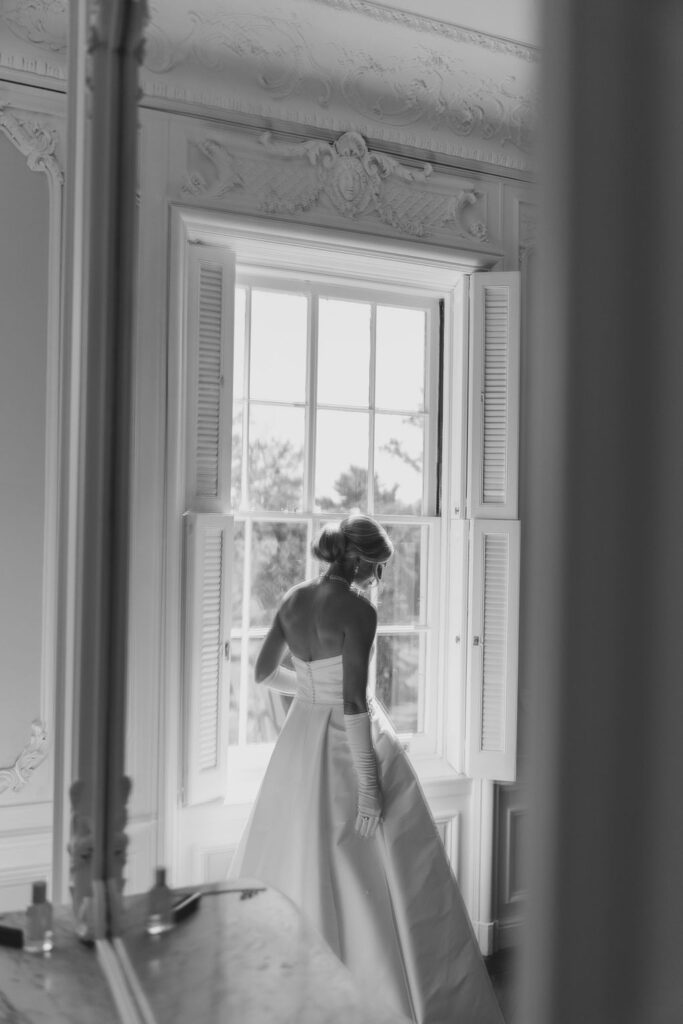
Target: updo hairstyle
pixel 356 535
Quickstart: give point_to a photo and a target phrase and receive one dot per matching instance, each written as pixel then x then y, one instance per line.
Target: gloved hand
pixel 359 737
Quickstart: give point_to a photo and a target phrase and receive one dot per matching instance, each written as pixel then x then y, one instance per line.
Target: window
pixel 335 409
pixel 281 432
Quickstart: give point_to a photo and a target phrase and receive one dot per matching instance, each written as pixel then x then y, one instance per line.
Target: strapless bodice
pixel 319 681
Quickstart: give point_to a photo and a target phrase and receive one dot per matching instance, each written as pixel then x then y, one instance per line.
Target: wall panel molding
pixel 20 772
pixel 514 887
pixel 37 137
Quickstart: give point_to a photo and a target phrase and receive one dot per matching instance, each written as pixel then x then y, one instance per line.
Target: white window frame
pixel 279 250
pixel 318 285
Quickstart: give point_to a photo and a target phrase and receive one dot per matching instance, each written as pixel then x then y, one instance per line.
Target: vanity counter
pixel 66 986
pixel 246 954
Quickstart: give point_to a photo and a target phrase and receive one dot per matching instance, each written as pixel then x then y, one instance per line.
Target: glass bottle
pixel 38 933
pixel 159 905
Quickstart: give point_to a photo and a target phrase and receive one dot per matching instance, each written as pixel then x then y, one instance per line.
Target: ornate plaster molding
pixel 423 84
pixel 17 775
pixel 35 140
pixel 445 29
pixel 278 54
pixel 44 23
pixel 285 59
pixel 354 181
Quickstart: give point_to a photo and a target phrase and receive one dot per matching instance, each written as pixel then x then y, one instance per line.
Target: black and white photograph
pixel 341 511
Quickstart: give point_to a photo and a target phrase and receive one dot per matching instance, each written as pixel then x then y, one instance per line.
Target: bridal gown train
pixel 389 906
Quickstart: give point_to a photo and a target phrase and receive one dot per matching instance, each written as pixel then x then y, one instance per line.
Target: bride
pixel 340 824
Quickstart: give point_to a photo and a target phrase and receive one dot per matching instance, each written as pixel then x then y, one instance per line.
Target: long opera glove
pixel 359 737
pixel 282 680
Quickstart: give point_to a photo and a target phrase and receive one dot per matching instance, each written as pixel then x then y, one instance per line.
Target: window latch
pixel 226 650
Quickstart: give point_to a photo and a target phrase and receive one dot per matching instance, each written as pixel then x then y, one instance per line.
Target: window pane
pixel 266 711
pixel 237 576
pixel 236 470
pixel 343 352
pixel 402 595
pixel 279 329
pixel 399 460
pixel 400 677
pixel 399 382
pixel 278 561
pixel 341 464
pixel 238 358
pixel 276 458
pixel 234 695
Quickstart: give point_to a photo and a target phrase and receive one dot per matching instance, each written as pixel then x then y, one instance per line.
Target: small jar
pixel 38 930
pixel 159 905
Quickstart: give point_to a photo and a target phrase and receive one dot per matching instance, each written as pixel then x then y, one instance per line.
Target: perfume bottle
pixel 38 935
pixel 159 905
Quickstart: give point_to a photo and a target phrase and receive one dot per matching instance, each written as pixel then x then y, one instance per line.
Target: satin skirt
pixel 389 906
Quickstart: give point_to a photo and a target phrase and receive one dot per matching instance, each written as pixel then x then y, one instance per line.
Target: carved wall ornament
pixel 439 90
pixel 290 58
pixel 17 775
pixel 352 179
pixel 44 23
pixel 273 50
pixel 36 141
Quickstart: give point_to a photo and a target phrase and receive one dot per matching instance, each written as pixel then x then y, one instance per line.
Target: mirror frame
pixel 105 52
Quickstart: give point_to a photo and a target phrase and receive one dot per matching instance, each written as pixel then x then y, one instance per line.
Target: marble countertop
pixel 247 955
pixel 65 986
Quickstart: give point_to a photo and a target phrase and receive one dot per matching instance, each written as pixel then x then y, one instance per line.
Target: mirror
pixel 265 196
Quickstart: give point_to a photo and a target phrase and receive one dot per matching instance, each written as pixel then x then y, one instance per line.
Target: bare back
pixel 323 619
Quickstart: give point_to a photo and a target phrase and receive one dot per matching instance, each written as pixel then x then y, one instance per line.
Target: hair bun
pixel 330 545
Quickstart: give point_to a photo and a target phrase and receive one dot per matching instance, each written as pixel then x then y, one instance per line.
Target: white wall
pixel 24 257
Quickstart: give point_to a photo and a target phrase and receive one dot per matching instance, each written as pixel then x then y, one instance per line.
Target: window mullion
pixel 244 662
pixel 311 403
pixel 246 378
pixel 371 402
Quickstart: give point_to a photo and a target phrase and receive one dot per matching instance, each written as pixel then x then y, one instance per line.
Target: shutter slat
pixel 492 690
pixel 209 360
pixel 208 548
pixel 494 431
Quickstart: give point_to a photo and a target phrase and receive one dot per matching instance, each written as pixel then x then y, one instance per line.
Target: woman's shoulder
pixel 362 607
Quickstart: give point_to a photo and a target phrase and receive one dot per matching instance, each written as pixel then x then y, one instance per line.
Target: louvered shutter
pixel 494 395
pixel 208 556
pixel 495 532
pixel 208 529
pixel 210 312
pixel 493 646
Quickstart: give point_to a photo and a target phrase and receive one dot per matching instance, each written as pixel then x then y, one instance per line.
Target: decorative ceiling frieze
pixel 325 64
pixel 445 29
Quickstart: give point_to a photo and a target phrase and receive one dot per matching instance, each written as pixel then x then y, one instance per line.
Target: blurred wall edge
pixel 602 503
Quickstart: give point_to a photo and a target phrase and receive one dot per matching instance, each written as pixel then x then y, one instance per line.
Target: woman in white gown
pixel 340 824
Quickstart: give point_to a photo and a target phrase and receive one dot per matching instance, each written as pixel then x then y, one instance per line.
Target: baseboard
pixel 485 932
pixel 509 933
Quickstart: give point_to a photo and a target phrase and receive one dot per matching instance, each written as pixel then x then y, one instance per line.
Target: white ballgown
pixel 389 906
